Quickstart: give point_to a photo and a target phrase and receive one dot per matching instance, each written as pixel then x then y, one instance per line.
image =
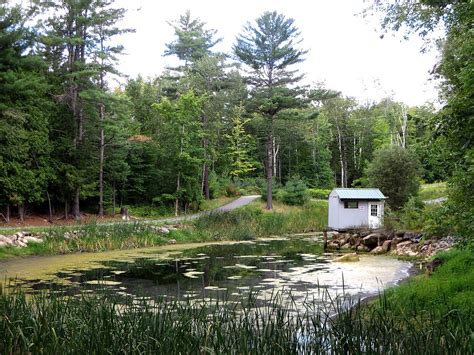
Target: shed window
pixel 373 210
pixel 351 204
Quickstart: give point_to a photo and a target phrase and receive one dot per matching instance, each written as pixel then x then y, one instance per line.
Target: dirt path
pixel 241 201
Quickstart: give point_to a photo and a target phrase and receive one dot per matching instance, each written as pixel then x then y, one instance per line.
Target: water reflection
pixel 231 271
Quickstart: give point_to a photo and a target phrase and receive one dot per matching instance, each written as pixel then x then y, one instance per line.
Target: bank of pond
pixel 272 295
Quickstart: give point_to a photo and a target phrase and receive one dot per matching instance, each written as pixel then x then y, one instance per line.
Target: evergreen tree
pixel 268 48
pixel 193 41
pixel 24 115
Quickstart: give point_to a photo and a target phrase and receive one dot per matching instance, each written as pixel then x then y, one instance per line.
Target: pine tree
pixel 268 48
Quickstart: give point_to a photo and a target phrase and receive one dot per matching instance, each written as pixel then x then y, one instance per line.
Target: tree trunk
pixel 66 211
pixel 342 161
pixel 50 210
pixel 7 213
pixel 21 211
pixel 76 212
pixel 269 167
pixel 113 199
pixel 101 161
pixel 205 170
pixel 176 201
pixel 205 181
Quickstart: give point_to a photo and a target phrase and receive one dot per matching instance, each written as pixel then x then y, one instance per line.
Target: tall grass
pixel 102 323
pixel 100 237
pixel 251 221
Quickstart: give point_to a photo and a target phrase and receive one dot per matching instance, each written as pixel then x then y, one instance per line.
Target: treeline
pixel 219 122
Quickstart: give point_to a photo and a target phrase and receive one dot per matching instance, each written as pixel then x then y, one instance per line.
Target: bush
pixel 395 172
pixel 412 213
pixel 276 193
pixel 319 194
pixel 295 192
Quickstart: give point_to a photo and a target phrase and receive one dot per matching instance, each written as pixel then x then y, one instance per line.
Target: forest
pixel 73 141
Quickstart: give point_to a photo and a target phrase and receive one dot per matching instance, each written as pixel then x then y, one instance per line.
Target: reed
pixel 102 323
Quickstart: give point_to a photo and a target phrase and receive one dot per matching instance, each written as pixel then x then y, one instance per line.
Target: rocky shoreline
pixel 398 243
pixel 22 239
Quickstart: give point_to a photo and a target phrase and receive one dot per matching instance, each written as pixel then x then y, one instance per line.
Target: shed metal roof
pixel 359 194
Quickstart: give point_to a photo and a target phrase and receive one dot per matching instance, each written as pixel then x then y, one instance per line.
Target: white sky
pixel 346 51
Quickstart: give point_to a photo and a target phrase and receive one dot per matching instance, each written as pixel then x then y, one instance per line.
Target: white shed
pixel 355 208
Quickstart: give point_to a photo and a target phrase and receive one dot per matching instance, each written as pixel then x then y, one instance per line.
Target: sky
pixel 346 51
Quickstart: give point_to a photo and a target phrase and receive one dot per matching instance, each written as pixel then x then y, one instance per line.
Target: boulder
pixel 378 250
pixel 172 241
pixel 6 240
pixel 362 248
pixel 163 230
pixel 333 245
pixel 20 243
pixel 372 240
pixel 404 245
pixel 346 246
pixel 3 244
pixel 32 240
pixel 348 258
pixel 386 245
pixel 395 242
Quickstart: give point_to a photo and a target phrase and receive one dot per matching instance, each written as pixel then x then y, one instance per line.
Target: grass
pixel 420 317
pixel 432 191
pixel 242 224
pixel 254 221
pixel 97 238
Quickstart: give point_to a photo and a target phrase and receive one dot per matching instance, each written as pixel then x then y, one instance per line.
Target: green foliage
pixel 412 213
pixel 239 146
pixel 252 221
pixel 295 192
pixel 395 172
pixel 433 191
pixel 319 194
pixel 193 41
pixel 425 316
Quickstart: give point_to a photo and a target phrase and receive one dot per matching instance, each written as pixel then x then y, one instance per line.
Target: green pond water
pixel 209 271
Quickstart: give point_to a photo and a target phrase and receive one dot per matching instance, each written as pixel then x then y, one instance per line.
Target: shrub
pixel 412 214
pixel 295 192
pixel 395 172
pixel 320 194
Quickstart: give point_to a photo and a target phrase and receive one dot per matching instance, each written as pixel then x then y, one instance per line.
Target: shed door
pixel 374 215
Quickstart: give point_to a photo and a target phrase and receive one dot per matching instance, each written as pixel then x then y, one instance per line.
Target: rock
pixel 172 241
pixel 378 250
pixel 404 245
pixel 333 245
pixel 395 242
pixel 6 240
pixel 163 230
pixel 348 258
pixel 433 265
pixel 386 245
pixel 372 240
pixel 33 240
pixel 20 243
pixel 362 248
pixel 345 246
pixel 3 244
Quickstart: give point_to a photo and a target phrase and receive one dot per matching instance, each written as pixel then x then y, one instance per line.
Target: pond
pixel 210 271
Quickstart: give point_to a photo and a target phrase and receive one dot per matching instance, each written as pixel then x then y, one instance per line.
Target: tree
pixel 193 41
pixel 269 49
pixel 181 137
pixel 455 119
pixel 24 115
pixel 395 172
pixel 239 146
pixel 77 42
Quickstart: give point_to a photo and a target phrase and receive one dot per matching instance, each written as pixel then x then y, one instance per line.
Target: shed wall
pixel 353 217
pixel 333 210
